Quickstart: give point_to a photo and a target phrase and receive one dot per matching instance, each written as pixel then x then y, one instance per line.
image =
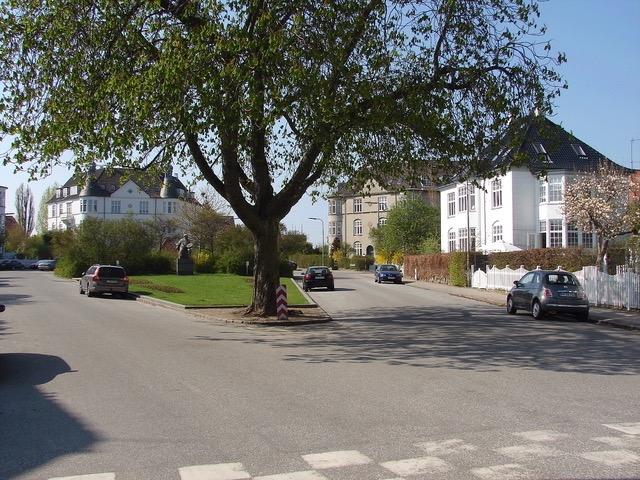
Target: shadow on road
pixel 35 429
pixel 479 339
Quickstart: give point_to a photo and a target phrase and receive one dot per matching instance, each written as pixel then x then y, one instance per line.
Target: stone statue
pixel 184 247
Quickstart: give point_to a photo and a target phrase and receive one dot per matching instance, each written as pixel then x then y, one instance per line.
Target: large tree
pixel 602 202
pixel 43 209
pixel 268 97
pixel 25 209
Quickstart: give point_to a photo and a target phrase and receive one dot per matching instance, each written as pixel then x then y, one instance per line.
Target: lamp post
pixel 322 221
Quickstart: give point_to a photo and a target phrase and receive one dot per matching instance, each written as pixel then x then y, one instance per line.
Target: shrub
pixel 234 261
pixel 431 268
pixel 69 267
pixel 204 262
pixel 360 262
pixel 286 269
pixel 158 263
pixel 307 260
pixel 458 269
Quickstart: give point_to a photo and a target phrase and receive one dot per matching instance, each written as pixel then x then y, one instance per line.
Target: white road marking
pixel 218 471
pixel 509 471
pixel 612 458
pixel 630 428
pixel 344 458
pixel 526 452
pixel 542 435
pixel 307 475
pixel 93 476
pixel 445 447
pixel 417 466
pixel 625 441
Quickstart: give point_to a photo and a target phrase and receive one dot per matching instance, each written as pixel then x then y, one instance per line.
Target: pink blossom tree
pixel 601 201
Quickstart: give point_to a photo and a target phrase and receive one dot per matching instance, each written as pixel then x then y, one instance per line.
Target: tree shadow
pixel 13 299
pixel 478 339
pixel 35 427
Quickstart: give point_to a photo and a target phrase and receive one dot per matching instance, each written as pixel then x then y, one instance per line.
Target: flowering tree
pixel 601 202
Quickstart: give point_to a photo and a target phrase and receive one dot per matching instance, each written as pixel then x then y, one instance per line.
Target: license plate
pixel 112 281
pixel 568 294
pixel 320 277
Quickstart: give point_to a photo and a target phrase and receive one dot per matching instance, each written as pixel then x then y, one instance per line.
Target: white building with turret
pixel 116 193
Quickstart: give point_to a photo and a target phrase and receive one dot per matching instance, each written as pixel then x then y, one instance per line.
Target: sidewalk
pixel 600 315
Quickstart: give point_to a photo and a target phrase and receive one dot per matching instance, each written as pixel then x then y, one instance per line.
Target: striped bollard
pixel 281 302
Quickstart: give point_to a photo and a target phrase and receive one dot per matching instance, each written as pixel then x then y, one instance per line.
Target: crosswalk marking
pixel 526 452
pixel 306 475
pixel 509 471
pixel 542 435
pixel 344 458
pixel 446 447
pixel 630 428
pixel 612 458
pixel 417 466
pixel 218 471
pixel 92 476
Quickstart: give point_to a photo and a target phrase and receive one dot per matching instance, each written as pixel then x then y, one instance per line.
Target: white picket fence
pixel 621 290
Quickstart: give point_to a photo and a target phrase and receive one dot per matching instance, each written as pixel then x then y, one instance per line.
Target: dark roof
pixel 105 181
pixel 546 146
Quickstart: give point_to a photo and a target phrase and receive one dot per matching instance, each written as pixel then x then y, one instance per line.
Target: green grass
pixel 205 288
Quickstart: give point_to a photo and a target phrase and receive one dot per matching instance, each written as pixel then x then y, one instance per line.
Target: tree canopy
pixel 266 98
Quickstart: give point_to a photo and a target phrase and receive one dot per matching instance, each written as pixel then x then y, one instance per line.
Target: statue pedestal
pixel 184 266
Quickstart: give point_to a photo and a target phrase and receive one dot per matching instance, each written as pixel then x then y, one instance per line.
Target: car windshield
pixel 112 272
pixel 561 279
pixel 390 268
pixel 318 271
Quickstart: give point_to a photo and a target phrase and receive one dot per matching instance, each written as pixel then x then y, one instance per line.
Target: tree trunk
pixel 266 270
pixel 602 252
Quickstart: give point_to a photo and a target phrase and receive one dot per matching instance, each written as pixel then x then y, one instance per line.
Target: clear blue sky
pixel 601 107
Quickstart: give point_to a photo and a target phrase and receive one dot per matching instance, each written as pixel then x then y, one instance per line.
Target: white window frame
pixel 555 232
pixel 144 206
pixel 542 192
pixel 357 205
pixel 496 232
pixel 573 235
pixel 556 193
pixel 496 193
pixel 357 248
pixel 115 206
pixel 332 207
pixel 382 203
pixel 472 198
pixel 452 240
pixel 382 221
pixel 69 208
pixel 332 228
pixel 462 239
pixel 357 227
pixel 462 199
pixel 451 204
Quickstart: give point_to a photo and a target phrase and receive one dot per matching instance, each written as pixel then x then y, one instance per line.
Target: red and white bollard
pixel 281 302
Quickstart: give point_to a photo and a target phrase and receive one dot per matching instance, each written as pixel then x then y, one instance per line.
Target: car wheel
pixel 81 290
pixel 88 292
pixel 332 288
pixel 584 316
pixel 511 309
pixel 536 310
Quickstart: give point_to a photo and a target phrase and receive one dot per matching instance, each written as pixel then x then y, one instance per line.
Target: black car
pixel 11 265
pixel 387 273
pixel 317 276
pixel 543 291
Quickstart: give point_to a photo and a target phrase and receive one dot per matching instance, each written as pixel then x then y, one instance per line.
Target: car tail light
pixel 547 293
pixel 308 277
pixel 125 279
pixel 95 278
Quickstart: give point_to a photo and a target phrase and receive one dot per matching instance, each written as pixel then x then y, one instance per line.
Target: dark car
pixel 318 276
pixel 543 291
pixel 46 265
pixel 104 279
pixel 11 265
pixel 387 273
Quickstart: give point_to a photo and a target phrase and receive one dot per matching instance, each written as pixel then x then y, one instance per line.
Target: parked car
pixel 46 265
pixel 387 273
pixel 317 276
pixel 543 291
pixel 104 279
pixel 292 264
pixel 11 265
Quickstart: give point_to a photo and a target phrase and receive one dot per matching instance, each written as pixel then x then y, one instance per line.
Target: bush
pixel 458 269
pixel 361 262
pixel 286 269
pixel 234 261
pixel 204 262
pixel 69 267
pixel 571 259
pixel 158 263
pixel 430 268
pixel 307 260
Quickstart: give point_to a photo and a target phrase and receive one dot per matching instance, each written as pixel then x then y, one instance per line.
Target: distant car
pixel 104 279
pixel 46 265
pixel 543 291
pixel 317 276
pixel 292 264
pixel 11 265
pixel 387 273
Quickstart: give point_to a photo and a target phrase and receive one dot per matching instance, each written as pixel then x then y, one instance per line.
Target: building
pixel 523 207
pixel 3 206
pixel 353 214
pixel 117 193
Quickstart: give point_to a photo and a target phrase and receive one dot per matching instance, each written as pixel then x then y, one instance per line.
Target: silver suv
pixel 104 279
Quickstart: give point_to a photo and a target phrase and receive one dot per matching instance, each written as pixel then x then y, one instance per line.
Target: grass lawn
pixel 204 288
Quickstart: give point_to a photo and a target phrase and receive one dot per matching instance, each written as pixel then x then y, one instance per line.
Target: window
pixel 338 228
pixel 451 202
pixel 587 239
pixel 88 205
pixel 543 234
pixel 332 207
pixel 472 232
pixel 69 208
pixel 543 191
pixel 332 228
pixel 452 240
pixel 115 206
pixel 555 232
pixel 357 227
pixel 144 206
pixel 382 204
pixel 61 208
pixel 578 150
pixel 357 205
pixel 496 193
pixel 462 239
pixel 539 149
pixel 53 210
pixel 382 221
pixel 496 232
pixel 462 199
pixel 555 189
pixel 357 248
pixel 572 235
pixel 472 198
pixel 170 207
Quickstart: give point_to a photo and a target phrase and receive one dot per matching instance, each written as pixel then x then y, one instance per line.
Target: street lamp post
pixel 322 221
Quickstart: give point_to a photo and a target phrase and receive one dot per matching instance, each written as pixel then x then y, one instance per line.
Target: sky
pixel 601 39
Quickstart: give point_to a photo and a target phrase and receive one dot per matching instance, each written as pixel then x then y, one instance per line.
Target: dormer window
pixel 541 152
pixel 578 150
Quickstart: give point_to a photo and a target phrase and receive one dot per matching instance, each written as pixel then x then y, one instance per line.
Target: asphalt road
pixel 406 383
